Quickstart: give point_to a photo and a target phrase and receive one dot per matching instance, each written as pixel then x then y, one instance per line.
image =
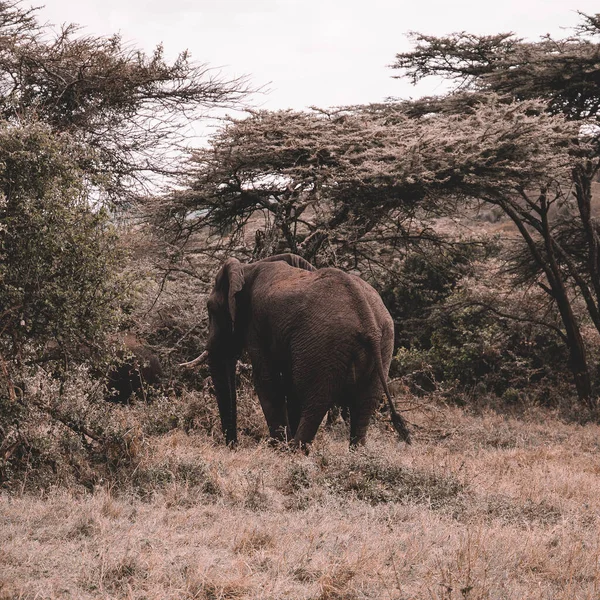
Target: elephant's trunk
pixel 222 370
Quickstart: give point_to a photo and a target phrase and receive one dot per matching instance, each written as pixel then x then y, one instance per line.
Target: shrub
pixel 471 348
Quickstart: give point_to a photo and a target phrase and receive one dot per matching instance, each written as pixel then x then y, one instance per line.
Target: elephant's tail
pixel 374 339
pixel 397 420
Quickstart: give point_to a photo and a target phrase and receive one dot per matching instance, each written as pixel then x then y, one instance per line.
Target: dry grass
pixel 492 507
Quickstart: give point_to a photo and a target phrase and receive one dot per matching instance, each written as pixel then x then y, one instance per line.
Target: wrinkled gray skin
pixel 315 338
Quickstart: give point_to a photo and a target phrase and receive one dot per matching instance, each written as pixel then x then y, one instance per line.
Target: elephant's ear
pixel 235 274
pixel 291 259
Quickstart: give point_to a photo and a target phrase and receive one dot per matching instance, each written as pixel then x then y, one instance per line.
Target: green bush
pixel 472 349
pixel 424 280
pixel 61 292
pixel 59 256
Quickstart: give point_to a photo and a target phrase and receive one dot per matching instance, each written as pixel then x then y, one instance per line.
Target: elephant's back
pixel 356 292
pixel 343 302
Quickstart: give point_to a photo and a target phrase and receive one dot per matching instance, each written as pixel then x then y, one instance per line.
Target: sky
pixel 305 53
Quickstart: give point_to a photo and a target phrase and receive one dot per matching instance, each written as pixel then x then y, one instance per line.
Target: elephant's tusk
pixel 196 361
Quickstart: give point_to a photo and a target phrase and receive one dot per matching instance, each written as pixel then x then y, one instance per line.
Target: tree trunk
pixel 582 179
pixel 558 291
pixel 577 353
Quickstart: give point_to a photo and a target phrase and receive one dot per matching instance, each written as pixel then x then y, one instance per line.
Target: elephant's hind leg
pixel 314 409
pixel 318 385
pixel 363 404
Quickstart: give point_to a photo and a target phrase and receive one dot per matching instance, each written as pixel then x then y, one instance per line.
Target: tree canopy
pixel 133 109
pixel 565 72
pixel 319 183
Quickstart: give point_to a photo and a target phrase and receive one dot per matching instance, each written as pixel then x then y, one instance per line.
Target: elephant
pixel 136 369
pixel 133 368
pixel 315 338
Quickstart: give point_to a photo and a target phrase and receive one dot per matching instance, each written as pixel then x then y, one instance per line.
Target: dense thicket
pixel 87 126
pixel 59 257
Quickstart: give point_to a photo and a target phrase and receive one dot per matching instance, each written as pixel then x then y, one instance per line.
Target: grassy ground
pixel 481 506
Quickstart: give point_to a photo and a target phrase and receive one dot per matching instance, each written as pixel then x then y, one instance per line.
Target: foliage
pixel 551 206
pixel 59 257
pixel 134 109
pixel 314 183
pixel 565 72
pixel 62 430
pixel 488 338
pixel 425 279
pixel 470 348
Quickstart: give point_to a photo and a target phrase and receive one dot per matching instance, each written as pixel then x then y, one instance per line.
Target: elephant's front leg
pixel 269 388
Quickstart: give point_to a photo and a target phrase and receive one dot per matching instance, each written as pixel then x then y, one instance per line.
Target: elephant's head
pixel 225 341
pixel 228 305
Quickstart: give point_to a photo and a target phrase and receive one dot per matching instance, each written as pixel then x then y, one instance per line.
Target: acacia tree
pixel 335 187
pixel 563 75
pixel 564 72
pixel 133 109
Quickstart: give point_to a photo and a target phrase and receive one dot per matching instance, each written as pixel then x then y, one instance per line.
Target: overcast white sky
pixel 310 52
